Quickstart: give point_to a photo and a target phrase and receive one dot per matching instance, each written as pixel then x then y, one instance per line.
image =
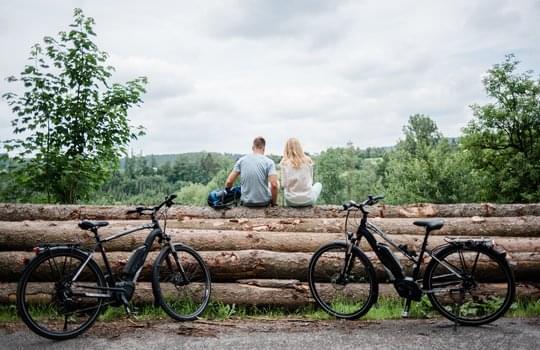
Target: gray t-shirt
pixel 254 170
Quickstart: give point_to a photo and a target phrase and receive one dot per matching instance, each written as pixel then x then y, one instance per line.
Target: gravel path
pixel 509 333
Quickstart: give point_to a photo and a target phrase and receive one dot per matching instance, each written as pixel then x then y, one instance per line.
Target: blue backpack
pixel 224 198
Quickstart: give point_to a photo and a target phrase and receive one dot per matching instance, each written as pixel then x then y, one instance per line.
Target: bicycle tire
pixel 60 302
pixel 323 272
pixel 166 279
pixel 479 267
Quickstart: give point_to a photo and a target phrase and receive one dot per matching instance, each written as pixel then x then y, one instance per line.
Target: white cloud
pixel 326 72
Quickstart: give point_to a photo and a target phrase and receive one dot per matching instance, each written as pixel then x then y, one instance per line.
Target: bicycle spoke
pixel 180 297
pixel 340 282
pixel 450 267
pixel 64 265
pixel 60 311
pixel 470 300
pixel 57 269
pixel 463 263
pixel 474 264
pixel 51 267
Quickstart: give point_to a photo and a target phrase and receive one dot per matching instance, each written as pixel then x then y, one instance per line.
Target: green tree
pixel 71 119
pixel 194 194
pixel 503 139
pixel 208 167
pixel 421 133
pixel 425 167
pixel 329 166
pixel 347 173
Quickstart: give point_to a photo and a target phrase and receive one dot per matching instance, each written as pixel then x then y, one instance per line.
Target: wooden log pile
pixel 261 256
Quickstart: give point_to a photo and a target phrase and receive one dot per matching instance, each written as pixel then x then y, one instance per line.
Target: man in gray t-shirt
pixel 256 170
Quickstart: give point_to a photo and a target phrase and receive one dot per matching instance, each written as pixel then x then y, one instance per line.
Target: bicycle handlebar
pixel 371 200
pixel 168 202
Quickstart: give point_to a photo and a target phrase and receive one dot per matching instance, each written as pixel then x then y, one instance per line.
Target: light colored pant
pixel 315 193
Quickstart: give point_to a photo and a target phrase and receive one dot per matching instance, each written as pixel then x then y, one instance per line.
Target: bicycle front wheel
pixel 181 283
pixel 51 304
pixel 470 285
pixel 344 285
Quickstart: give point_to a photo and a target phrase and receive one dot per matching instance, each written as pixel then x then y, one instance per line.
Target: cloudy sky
pixel 222 72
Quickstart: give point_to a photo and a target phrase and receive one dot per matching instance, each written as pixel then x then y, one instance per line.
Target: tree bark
pixel 25 235
pixel 245 264
pixel 19 212
pixel 525 226
pixel 250 292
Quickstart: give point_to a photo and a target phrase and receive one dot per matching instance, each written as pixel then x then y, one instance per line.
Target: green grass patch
pixel 525 308
pixel 8 313
pixel 384 309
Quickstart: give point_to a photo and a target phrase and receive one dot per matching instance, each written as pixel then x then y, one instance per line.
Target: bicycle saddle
pixel 90 225
pixel 430 225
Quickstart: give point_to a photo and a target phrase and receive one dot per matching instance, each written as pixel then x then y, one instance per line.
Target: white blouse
pixel 297 182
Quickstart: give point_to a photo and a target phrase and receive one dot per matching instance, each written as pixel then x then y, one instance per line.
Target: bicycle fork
pixel 348 266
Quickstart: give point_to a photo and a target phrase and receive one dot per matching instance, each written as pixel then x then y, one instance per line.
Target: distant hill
pixel 195 157
pixel 192 157
pixel 189 157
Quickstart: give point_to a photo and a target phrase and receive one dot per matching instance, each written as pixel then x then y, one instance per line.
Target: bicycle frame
pixel 110 277
pixel 369 231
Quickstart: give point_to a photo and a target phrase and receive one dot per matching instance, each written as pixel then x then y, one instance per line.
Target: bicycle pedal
pixel 131 310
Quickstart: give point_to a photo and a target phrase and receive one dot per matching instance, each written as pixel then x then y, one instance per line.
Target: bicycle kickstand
pixel 406 308
pixel 132 312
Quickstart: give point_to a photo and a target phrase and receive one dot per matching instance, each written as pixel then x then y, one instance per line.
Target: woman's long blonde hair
pixel 293 154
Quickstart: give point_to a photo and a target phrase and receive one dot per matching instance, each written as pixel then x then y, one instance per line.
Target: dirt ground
pixel 507 333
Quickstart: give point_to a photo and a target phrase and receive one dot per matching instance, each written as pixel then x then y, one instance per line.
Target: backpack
pixel 224 198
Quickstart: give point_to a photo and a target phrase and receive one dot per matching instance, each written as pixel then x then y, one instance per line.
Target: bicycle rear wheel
pixel 470 285
pixel 53 306
pixel 181 283
pixel 344 289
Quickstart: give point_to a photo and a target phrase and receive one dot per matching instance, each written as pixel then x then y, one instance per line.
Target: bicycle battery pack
pixel 134 264
pixel 390 262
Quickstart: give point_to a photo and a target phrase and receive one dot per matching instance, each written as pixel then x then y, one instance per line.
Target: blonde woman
pixel 297 176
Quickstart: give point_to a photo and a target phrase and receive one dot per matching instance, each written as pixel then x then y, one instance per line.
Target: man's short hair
pixel 259 142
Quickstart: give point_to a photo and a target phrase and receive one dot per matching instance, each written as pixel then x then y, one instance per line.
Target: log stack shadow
pixel 260 256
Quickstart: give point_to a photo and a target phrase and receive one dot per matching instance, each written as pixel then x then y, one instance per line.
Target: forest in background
pixel 424 166
pixel 71 133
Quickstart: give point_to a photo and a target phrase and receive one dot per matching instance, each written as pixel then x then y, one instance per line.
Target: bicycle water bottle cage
pixel 405 248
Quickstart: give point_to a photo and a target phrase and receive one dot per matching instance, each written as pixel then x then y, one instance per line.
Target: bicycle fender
pixel 48 248
pixel 51 247
pixel 471 243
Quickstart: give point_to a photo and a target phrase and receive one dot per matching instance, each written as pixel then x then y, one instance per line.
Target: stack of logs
pixel 260 256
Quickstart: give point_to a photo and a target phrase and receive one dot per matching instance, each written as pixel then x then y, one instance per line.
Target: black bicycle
pixel 468 281
pixel 63 289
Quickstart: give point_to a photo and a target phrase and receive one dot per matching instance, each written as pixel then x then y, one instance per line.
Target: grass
pixel 385 309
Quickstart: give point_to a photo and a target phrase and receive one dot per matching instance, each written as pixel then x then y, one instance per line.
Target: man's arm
pixel 231 178
pixel 274 186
